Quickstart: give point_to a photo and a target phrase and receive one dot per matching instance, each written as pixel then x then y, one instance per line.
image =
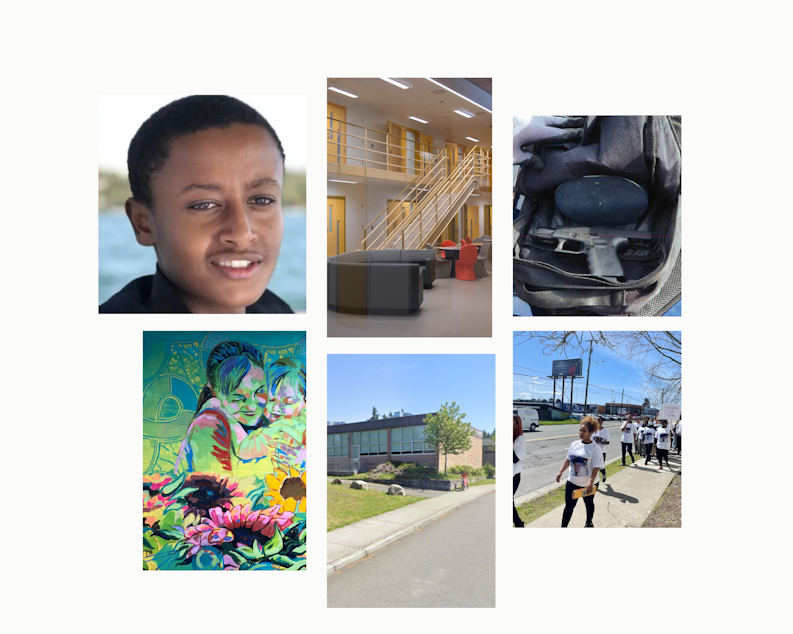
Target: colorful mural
pixel 224 451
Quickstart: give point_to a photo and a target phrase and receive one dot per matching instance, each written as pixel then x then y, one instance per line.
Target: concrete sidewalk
pixel 348 544
pixel 624 501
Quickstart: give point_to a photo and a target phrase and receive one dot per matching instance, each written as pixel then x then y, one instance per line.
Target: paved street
pixel 449 563
pixel 546 449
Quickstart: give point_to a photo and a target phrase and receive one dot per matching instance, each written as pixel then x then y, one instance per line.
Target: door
pixel 472 221
pixel 425 152
pixel 396 147
pixel 451 152
pixel 337 140
pixel 488 220
pixel 336 226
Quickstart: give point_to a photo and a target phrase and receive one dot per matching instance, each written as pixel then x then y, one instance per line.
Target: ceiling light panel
pixel 342 92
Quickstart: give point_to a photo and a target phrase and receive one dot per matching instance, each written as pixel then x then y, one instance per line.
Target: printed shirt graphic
pixel 627 433
pixel 663 436
pixel 583 460
pixel 648 435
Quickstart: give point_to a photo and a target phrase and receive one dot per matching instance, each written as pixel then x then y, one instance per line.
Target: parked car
pixel 528 417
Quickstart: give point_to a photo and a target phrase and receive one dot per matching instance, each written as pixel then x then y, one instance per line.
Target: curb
pixel 548 488
pixel 357 555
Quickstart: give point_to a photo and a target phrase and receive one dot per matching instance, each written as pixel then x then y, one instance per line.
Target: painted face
pixel 246 403
pixel 584 433
pixel 286 403
pixel 216 222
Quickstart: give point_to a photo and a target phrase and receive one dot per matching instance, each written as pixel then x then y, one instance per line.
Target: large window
pixel 337 445
pixel 374 442
pixel 409 440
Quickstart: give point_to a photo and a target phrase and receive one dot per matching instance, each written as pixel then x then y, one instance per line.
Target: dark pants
pixel 570 502
pixel 648 447
pixel 663 454
pixel 603 470
pixel 515 517
pixel 629 447
pixel 679 444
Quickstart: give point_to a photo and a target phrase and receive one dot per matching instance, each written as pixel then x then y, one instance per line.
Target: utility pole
pixel 554 392
pixel 589 365
pixel 621 399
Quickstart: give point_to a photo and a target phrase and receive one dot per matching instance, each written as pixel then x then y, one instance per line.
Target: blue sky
pixel 614 373
pixel 417 383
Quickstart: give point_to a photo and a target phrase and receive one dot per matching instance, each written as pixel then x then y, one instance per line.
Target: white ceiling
pixel 421 101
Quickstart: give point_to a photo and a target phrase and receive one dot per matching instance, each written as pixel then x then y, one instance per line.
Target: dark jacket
pixel 157 294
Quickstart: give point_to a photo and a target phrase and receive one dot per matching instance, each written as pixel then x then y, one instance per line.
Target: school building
pixel 361 446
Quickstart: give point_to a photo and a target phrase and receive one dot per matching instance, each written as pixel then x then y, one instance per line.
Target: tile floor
pixel 451 308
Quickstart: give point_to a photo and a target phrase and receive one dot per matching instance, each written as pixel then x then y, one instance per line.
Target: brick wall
pixel 472 457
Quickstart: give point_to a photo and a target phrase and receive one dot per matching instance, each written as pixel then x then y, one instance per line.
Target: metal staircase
pixel 428 204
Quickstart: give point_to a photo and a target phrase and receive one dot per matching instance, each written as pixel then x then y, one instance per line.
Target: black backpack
pixel 552 280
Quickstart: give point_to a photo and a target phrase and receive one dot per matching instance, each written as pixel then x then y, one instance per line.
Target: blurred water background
pixel 122 259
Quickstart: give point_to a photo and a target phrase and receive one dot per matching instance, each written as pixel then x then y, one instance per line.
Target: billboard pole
pixel 572 383
pixel 589 365
pixel 563 378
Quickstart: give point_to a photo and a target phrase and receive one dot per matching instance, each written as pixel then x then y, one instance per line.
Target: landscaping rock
pixel 359 484
pixel 395 489
pixel 336 481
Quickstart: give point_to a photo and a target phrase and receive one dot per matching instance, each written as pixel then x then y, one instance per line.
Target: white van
pixel 528 417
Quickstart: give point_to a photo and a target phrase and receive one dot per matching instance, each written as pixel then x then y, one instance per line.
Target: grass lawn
pixel 568 421
pixel 668 513
pixel 346 505
pixel 481 482
pixel 546 503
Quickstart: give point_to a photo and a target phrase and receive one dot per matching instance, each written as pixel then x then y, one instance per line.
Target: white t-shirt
pixel 519 447
pixel 627 432
pixel 583 460
pixel 648 435
pixel 663 437
pixel 604 435
pixel 679 428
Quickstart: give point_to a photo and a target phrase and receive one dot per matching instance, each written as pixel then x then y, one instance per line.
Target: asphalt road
pixel 449 563
pixel 546 450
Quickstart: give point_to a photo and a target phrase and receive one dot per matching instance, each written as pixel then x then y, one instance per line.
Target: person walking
pixel 602 437
pixel 518 453
pixel 639 442
pixel 584 460
pixel 679 432
pixel 638 446
pixel 648 437
pixel 628 438
pixel 663 437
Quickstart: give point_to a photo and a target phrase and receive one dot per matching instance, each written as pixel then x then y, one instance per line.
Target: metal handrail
pixel 467 171
pixel 420 186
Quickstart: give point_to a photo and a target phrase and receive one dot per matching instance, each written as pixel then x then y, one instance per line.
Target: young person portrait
pixel 206 180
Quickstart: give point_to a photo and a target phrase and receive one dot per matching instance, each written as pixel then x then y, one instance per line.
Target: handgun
pixel 602 246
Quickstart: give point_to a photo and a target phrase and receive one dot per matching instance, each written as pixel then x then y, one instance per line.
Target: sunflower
pixel 213 492
pixel 287 490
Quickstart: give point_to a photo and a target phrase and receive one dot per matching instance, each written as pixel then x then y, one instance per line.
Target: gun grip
pixel 603 259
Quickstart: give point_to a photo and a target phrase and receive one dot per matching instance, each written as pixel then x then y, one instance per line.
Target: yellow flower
pixel 287 489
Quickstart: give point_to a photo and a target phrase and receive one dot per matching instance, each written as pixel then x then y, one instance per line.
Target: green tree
pixel 375 415
pixel 447 432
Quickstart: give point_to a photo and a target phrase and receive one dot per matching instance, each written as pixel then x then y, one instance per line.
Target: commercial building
pixel 409 168
pixel 361 446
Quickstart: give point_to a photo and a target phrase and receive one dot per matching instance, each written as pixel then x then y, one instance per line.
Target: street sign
pixel 669 412
pixel 567 367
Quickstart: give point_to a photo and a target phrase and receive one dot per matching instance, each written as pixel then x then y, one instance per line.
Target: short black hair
pixel 149 148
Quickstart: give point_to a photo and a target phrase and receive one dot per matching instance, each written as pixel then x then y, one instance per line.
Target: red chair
pixel 446 243
pixel 467 240
pixel 464 268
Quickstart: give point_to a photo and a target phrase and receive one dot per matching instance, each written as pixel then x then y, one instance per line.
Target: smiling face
pixel 216 221
pixel 246 403
pixel 286 403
